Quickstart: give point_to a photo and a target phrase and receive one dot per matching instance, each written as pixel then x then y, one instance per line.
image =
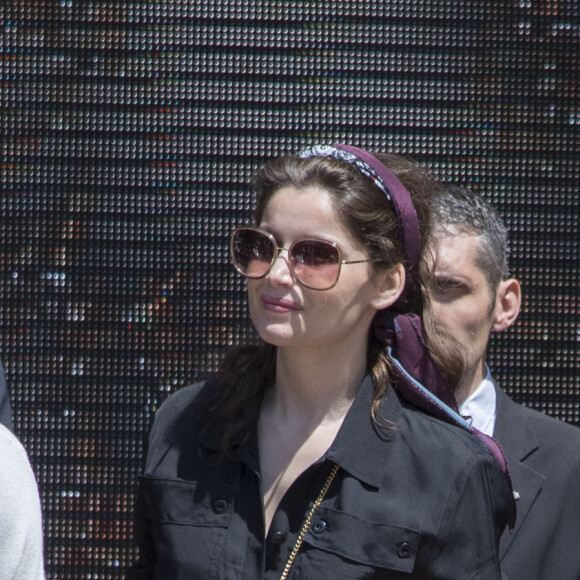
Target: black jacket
pixel 544 460
pixel 422 500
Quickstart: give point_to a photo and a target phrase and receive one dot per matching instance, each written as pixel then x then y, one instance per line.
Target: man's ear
pixel 508 300
pixel 389 284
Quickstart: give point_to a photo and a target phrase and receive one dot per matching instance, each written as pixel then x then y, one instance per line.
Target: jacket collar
pixel 361 447
pixel 521 440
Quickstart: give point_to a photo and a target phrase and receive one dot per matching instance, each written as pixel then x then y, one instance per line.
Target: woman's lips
pixel 279 304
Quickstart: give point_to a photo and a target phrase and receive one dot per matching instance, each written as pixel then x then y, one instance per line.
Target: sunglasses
pixel 314 263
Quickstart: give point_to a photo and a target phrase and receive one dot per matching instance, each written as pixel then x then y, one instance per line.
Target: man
pixel 471 297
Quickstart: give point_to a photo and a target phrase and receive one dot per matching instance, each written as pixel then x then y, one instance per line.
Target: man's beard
pixel 451 356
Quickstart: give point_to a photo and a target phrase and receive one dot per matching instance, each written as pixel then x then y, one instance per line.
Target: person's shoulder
pixel 10 446
pixel 178 420
pixel 451 452
pixel 184 399
pixel 547 428
pixel 547 422
pixel 14 460
pixel 433 433
pixel 182 413
pixel 184 395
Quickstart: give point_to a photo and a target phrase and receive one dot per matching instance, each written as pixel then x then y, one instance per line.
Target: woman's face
pixel 287 314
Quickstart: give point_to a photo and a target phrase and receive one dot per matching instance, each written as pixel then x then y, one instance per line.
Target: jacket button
pixel 277 538
pixel 404 550
pixel 319 526
pixel 220 506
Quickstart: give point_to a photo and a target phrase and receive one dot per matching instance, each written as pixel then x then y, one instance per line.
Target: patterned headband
pixel 396 192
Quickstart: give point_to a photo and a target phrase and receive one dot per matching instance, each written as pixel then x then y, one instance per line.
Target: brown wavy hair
pixel 247 371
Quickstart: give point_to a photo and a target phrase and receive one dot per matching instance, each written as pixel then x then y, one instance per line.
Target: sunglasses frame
pixel 278 250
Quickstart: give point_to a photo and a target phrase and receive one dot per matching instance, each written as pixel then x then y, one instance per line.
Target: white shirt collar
pixel 479 407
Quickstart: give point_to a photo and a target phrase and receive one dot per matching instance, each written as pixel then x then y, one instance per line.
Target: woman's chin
pixel 277 335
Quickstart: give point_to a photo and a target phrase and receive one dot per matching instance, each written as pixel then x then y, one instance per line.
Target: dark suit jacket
pixel 5 409
pixel 544 459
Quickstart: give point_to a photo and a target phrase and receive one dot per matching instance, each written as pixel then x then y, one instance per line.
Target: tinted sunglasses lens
pixel 252 253
pixel 316 263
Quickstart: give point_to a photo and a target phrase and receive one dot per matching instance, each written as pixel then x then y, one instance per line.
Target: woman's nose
pixel 281 272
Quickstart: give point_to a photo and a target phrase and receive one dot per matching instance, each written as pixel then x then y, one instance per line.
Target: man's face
pixel 461 302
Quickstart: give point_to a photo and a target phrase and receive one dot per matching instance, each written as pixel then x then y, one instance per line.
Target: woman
pixel 299 459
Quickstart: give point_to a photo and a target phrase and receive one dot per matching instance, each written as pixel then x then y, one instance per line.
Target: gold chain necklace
pixel 307 523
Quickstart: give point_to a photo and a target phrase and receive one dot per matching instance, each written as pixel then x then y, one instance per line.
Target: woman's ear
pixel 389 284
pixel 508 300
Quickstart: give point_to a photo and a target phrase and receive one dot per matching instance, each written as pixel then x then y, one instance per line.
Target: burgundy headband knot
pixel 394 190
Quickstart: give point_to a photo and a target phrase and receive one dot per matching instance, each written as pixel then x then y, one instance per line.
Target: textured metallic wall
pixel 128 133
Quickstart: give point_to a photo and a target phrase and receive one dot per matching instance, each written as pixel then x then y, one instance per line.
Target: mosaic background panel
pixel 129 131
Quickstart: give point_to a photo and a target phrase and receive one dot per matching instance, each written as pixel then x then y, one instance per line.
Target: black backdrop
pixel 128 133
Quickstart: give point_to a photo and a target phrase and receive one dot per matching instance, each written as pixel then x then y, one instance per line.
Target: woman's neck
pixel 317 386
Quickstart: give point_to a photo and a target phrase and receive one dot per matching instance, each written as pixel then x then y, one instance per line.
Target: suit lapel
pixel 519 442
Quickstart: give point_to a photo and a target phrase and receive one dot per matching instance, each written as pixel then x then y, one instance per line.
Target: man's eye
pixel 448 285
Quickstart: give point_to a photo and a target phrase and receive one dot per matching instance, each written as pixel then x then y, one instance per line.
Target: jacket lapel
pixel 519 442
